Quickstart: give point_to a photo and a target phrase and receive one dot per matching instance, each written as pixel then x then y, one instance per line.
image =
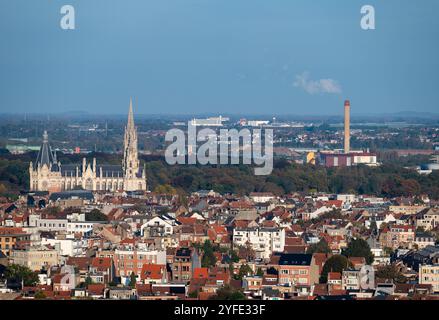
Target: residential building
pixel 264 241
pixel 429 274
pixel 35 258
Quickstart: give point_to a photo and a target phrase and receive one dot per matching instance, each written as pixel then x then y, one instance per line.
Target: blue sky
pixel 225 56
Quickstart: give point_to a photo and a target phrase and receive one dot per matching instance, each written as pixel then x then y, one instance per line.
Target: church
pixel 48 174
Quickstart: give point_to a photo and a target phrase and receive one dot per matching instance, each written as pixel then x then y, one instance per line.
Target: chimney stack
pixel 347 125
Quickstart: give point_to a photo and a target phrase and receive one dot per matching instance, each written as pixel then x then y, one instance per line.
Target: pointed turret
pixel 45 155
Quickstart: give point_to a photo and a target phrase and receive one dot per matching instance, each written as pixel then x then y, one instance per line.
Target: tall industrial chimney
pixel 347 125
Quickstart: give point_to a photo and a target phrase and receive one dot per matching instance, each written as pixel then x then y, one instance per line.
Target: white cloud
pixel 317 86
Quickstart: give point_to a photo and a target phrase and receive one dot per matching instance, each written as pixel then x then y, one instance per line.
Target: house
pixel 103 267
pixel 396 236
pixel 252 283
pixel 96 291
pixel 423 239
pixel 261 197
pixel 82 266
pixel 217 233
pixel 296 269
pixel 428 219
pixel 218 277
pixel 201 273
pixel 159 226
pixel 154 273
pixel 357 262
pixel 405 290
pixel 10 237
pixel 334 280
pixel 122 293
pixel 64 282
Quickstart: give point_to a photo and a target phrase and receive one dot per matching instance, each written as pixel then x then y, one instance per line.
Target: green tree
pixel 320 247
pixel 133 280
pixel 95 215
pixel 336 263
pixel 208 260
pixel 234 256
pixel 391 272
pixel 165 189
pixel 18 273
pixel 388 251
pixel 359 248
pixel 88 281
pixel 244 270
pixel 260 272
pixel 228 293
pixel 40 295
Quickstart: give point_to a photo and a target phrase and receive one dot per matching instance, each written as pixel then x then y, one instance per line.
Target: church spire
pixel 45 155
pixel 130 124
pixel 130 159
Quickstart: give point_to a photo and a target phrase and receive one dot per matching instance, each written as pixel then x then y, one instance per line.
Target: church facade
pixel 48 174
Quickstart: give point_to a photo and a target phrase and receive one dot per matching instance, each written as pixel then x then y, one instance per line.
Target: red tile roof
pixel 152 271
pixel 101 263
pixel 201 273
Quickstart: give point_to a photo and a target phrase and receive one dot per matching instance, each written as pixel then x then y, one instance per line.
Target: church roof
pixel 45 155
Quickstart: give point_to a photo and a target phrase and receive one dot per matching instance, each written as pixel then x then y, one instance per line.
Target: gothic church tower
pixel 133 176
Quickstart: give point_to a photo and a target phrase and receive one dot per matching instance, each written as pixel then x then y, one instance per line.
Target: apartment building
pixel 406 209
pixel 429 274
pixel 398 236
pixel 184 263
pixel 428 220
pixel 264 241
pixel 131 258
pixel 350 280
pixel 10 237
pixel 36 258
pixel 297 269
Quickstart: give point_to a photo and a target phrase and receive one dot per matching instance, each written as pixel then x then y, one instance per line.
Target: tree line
pixel 388 180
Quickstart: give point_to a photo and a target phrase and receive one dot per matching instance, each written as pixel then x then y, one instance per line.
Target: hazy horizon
pixel 243 57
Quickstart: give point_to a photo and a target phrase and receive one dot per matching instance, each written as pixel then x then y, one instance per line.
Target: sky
pixel 295 57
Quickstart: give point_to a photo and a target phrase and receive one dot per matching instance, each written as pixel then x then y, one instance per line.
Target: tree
pixel 391 272
pixel 18 273
pixel 95 215
pixel 359 248
pixel 133 280
pixel 40 295
pixel 336 263
pixel 234 256
pixel 208 260
pixel 388 251
pixel 320 247
pixel 244 270
pixel 260 272
pixel 228 293
pixel 374 227
pixel 88 281
pixel 165 189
